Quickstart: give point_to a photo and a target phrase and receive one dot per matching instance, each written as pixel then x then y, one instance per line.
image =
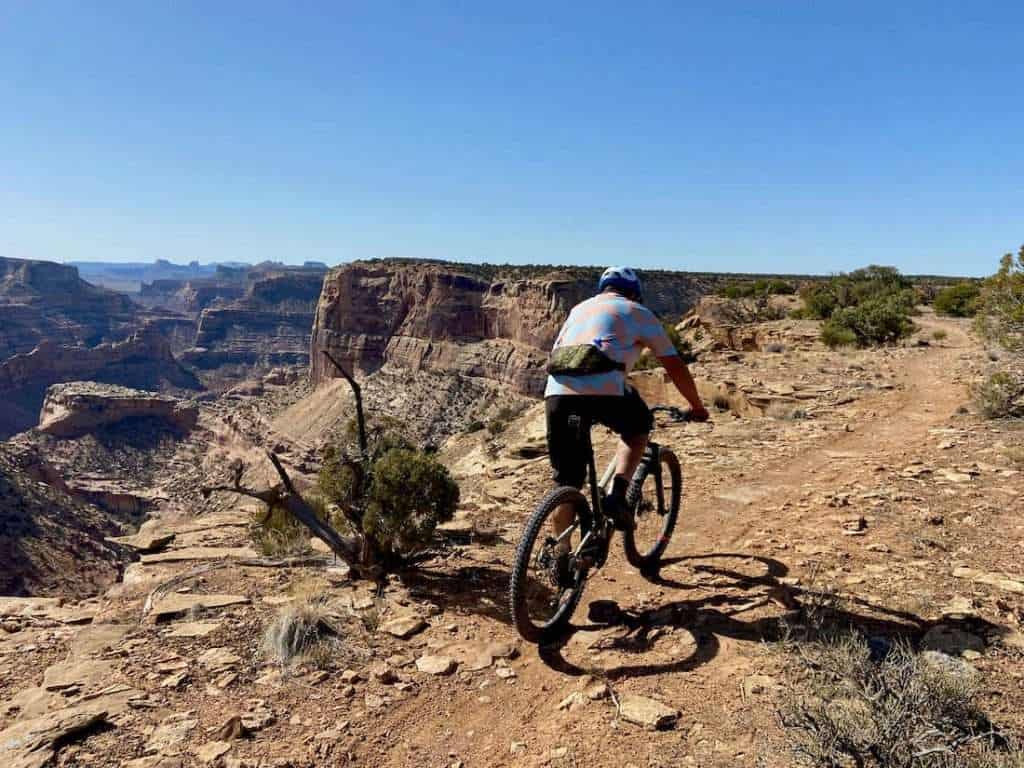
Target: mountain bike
pixel 551 571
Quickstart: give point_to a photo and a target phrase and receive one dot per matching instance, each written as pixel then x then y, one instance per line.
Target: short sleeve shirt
pixel 620 328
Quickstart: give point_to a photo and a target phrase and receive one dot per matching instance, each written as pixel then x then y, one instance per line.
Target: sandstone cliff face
pixel 81 407
pixel 270 325
pixel 143 360
pixel 44 301
pixel 432 317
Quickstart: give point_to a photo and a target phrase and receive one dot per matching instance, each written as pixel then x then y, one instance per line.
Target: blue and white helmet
pixel 622 279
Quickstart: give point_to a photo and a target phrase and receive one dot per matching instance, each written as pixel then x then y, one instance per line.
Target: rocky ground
pixel 856 471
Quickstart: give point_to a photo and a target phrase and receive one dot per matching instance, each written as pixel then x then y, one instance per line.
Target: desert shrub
pixel 474 426
pixel 395 497
pixel 745 289
pixel 960 300
pixel 939 334
pixel 1000 396
pixel 875 701
pixel 824 298
pixel 897 711
pixel 882 320
pixel 302 630
pixel 275 533
pixel 410 492
pixel 781 411
pixel 1015 455
pixel 1000 305
pixel 649 362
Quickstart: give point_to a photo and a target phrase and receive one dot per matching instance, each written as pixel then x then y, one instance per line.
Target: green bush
pixel 959 300
pixel 650 362
pixel 474 426
pixel 1001 305
pixel 823 299
pixel 748 289
pixel 396 497
pixel 1000 396
pixel 410 493
pixel 876 321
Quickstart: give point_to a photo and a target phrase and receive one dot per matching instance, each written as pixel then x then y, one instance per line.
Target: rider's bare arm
pixel 678 371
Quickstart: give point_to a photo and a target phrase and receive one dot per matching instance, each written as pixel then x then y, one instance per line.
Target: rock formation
pixel 269 325
pixel 50 543
pixel 44 301
pixel 80 407
pixel 144 360
pixel 425 316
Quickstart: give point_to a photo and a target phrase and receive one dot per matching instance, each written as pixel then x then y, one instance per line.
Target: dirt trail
pixel 693 637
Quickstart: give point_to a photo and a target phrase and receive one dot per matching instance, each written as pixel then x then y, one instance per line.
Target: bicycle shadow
pixel 713 617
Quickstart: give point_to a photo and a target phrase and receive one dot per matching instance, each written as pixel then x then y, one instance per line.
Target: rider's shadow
pixel 712 617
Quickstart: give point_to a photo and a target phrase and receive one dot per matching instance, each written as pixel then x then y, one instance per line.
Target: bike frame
pixel 594 516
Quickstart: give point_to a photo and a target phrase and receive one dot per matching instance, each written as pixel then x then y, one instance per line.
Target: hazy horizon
pixel 753 139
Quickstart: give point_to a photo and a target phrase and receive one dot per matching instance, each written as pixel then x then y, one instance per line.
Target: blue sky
pixel 740 136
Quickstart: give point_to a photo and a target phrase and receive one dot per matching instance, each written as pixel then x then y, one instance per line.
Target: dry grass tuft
pixel 303 630
pixel 876 702
pixel 781 411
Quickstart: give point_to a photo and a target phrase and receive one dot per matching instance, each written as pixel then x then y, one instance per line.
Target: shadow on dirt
pixel 729 593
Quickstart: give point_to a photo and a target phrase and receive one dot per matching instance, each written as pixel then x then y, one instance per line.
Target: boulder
pixel 80 407
pixel 647 712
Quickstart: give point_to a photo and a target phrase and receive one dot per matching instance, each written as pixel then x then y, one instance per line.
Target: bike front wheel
pixel 656 512
pixel 547 580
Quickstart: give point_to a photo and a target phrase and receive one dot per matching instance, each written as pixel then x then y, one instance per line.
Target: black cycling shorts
pixel 626 415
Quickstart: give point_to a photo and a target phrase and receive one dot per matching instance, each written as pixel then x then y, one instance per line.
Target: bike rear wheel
pixel 546 584
pixel 656 512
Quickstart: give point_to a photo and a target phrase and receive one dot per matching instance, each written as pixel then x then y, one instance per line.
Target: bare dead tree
pixel 350 549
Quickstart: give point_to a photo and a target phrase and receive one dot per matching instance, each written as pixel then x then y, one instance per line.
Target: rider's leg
pixel 566 455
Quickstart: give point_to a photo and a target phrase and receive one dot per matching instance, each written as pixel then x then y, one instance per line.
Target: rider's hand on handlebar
pixel 699 414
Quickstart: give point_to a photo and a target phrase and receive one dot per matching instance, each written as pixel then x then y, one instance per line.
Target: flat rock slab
pixel 175 604
pixel 199 553
pixel 404 626
pixel 743 495
pixel 647 712
pixel 1000 580
pixel 144 542
pixel 219 659
pixel 44 608
pixel 170 735
pixel 436 665
pixel 33 743
pixel 213 750
pixel 76 674
pixel 193 629
pixel 97 639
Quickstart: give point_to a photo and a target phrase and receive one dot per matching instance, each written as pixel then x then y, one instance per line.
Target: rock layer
pixel 435 317
pixel 80 407
pixel 144 360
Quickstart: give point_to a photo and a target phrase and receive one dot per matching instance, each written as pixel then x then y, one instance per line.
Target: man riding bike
pixel 600 342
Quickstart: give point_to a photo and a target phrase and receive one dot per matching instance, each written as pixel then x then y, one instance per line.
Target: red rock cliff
pixel 433 316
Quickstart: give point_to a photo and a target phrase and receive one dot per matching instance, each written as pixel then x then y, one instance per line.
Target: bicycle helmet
pixel 624 280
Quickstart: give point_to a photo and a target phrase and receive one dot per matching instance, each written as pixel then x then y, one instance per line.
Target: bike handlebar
pixel 678 414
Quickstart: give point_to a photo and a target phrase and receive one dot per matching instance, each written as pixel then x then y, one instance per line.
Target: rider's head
pixel 623 281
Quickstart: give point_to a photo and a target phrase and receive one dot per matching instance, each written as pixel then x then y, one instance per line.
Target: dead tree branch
pixel 357 391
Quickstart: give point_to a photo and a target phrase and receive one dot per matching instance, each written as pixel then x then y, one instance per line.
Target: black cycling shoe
pixel 619 513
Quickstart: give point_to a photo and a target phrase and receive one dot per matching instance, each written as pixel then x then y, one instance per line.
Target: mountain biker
pixel 600 342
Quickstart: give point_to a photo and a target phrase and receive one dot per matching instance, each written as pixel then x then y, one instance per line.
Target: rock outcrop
pixel 50 543
pixel 80 407
pixel 144 360
pixel 41 301
pixel 423 316
pixel 268 326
